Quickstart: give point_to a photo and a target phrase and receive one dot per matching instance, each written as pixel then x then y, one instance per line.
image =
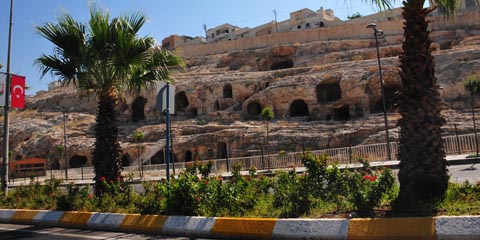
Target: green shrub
pixel 367 188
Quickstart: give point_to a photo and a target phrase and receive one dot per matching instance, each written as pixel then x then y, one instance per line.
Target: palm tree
pixel 423 173
pixel 107 57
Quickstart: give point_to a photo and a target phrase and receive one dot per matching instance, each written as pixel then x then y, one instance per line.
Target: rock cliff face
pixel 323 94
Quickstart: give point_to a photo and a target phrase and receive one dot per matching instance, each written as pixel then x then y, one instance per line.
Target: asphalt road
pixel 14 231
pixel 462 173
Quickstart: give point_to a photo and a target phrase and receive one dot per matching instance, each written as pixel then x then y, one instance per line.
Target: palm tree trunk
pixel 423 174
pixel 106 153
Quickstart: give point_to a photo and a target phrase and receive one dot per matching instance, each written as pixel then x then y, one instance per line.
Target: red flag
pixel 18 92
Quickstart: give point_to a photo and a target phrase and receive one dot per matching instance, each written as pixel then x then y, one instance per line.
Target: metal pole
pixel 167 134
pixel 228 167
pixel 376 34
pixel 139 162
pixel 4 170
pixel 171 144
pixel 65 143
pixel 458 139
pixel 474 125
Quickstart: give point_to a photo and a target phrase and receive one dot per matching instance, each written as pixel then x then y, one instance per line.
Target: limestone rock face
pixel 323 94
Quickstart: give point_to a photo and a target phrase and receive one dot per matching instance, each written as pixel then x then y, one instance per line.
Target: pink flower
pixel 102 178
pixel 111 181
pixel 198 198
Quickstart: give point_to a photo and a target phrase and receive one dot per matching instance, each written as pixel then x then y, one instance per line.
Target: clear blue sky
pixel 183 17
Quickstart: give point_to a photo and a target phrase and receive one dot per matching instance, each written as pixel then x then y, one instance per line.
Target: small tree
pixel 138 137
pixel 353 16
pixel 267 116
pixel 472 85
pixel 60 150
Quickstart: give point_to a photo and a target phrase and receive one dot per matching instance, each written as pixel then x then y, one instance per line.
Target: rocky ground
pixel 218 99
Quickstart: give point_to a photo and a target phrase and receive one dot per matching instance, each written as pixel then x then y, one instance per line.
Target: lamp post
pixel 65 143
pixel 377 33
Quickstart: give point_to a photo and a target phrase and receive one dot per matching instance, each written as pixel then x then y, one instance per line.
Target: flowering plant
pixel 368 188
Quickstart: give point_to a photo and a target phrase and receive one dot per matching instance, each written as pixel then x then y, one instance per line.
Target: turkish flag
pixel 18 92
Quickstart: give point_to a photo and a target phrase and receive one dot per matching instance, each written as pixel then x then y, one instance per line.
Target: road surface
pixel 19 232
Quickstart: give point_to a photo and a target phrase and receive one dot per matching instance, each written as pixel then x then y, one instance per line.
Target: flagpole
pixel 6 109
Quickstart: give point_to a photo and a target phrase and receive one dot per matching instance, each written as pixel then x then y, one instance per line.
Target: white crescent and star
pixel 17 88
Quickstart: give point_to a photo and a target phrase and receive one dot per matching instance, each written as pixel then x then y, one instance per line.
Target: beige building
pixel 221 33
pixel 175 41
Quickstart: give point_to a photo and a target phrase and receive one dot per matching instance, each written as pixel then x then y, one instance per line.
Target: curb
pixel 443 227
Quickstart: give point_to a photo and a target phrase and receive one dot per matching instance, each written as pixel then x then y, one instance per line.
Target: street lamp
pixel 377 33
pixel 65 143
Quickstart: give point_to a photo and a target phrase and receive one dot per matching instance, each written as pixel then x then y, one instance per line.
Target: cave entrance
pixel 282 65
pixel 222 150
pixel 188 156
pixel 341 113
pixel 298 108
pixel 181 102
pixel 227 91
pixel 77 161
pixel 138 109
pixel 216 105
pixel 254 108
pixel 389 92
pixel 126 160
pixel 328 92
pixel 160 158
pixel 193 112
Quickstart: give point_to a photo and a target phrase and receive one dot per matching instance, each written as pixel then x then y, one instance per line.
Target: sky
pixel 181 17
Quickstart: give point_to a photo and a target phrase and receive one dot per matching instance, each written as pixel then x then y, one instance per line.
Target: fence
pixel 456 144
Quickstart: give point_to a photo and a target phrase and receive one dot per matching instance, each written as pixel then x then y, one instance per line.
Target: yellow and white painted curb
pixel 460 227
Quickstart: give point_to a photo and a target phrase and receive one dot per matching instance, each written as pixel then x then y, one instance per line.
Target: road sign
pixel 162 97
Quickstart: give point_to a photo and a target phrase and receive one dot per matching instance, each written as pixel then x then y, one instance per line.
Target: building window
pixel 307 25
pixel 299 27
pixel 297 17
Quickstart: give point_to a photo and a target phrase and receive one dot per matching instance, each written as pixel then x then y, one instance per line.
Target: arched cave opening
pixel 254 109
pixel 298 108
pixel 282 65
pixel 227 91
pixel 328 92
pixel 341 113
pixel 188 156
pixel 77 161
pixel 181 102
pixel 221 150
pixel 126 160
pixel 55 164
pixel 193 112
pixel 160 158
pixel 389 92
pixel 138 109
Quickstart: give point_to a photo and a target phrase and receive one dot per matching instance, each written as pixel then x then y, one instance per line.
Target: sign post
pixel 166 104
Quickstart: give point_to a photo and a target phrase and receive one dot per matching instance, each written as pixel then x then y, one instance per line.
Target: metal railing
pixel 453 145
